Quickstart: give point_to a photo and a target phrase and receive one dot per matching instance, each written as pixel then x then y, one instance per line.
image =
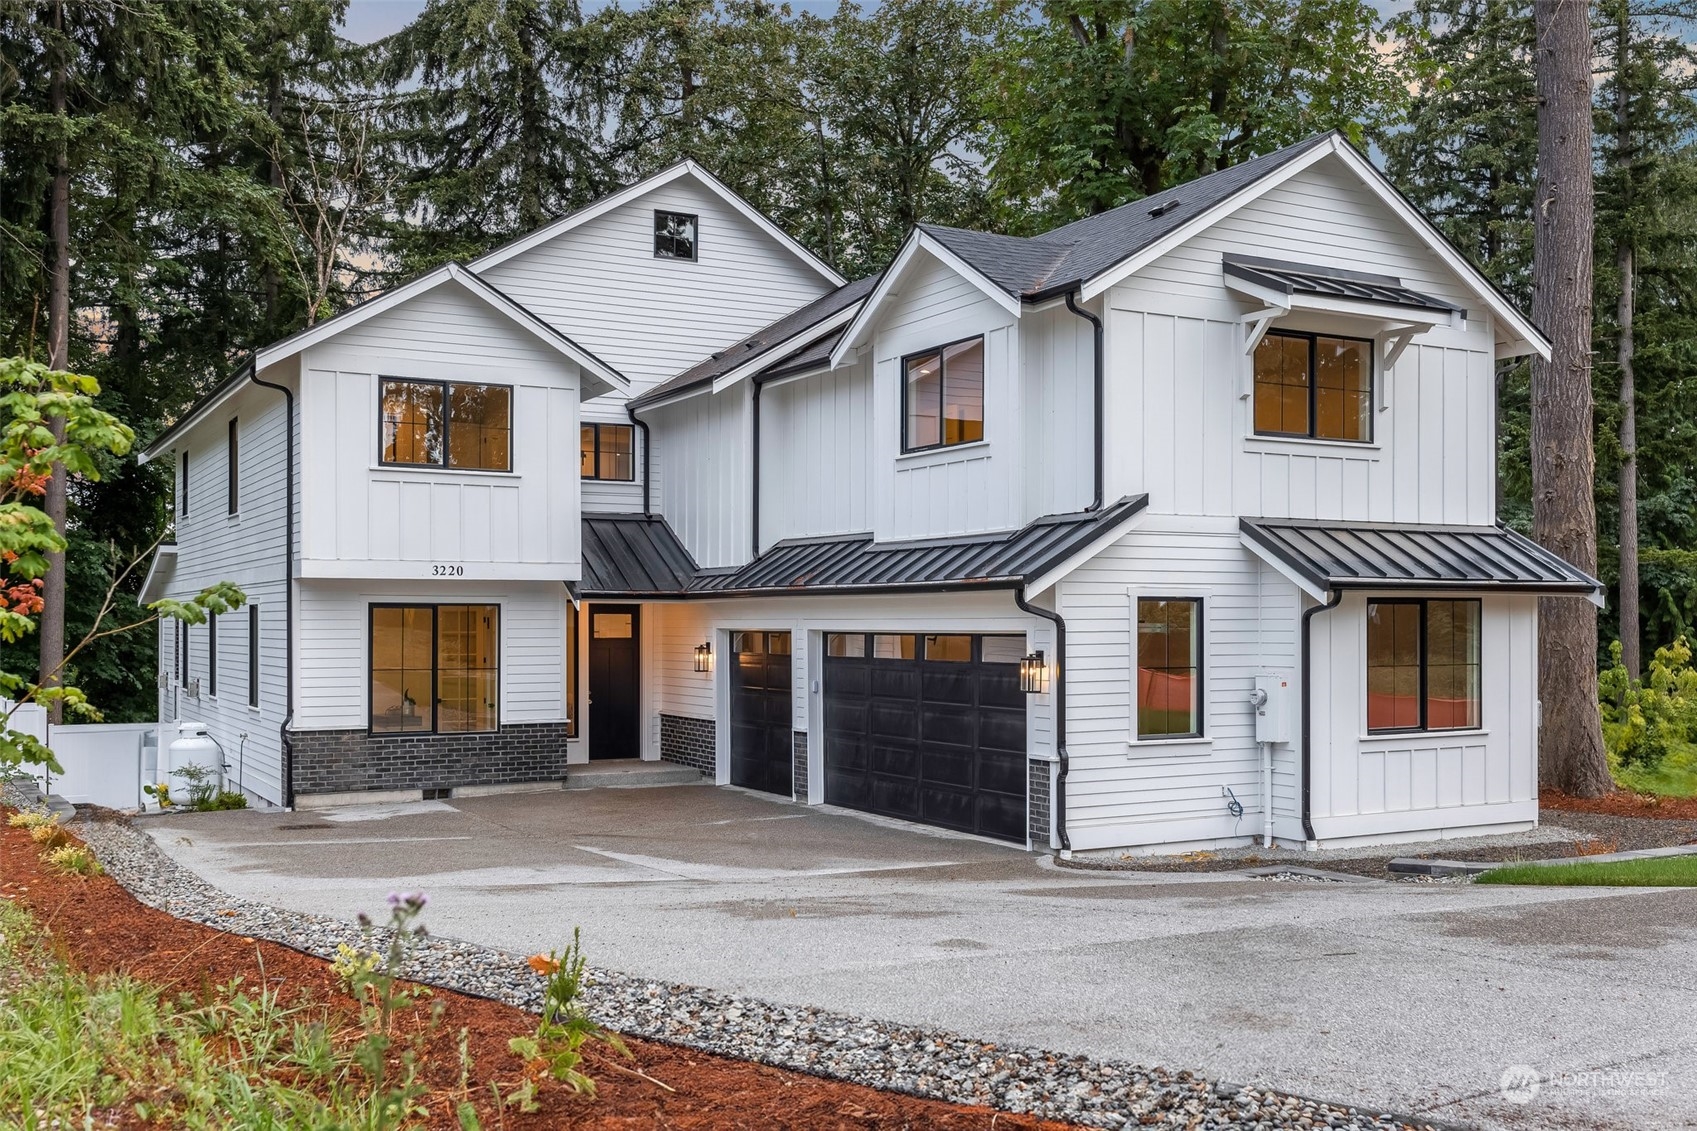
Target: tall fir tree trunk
pixel 1564 516
pixel 1631 635
pixel 52 625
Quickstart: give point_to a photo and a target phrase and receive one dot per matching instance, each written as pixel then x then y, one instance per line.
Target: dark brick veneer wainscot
pixel 1038 826
pixel 689 742
pixel 344 761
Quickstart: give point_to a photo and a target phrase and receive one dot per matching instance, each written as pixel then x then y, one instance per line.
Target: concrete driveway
pixel 1414 998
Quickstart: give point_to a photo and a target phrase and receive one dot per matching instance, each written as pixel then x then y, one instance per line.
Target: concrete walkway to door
pixel 1410 997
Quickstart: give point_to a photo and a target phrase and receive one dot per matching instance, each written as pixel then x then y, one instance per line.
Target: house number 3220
pixel 440 570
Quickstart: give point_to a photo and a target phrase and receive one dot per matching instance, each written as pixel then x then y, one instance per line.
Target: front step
pixel 628 773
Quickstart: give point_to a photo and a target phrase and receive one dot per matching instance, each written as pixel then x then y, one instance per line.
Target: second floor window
pixel 1314 386
pixel 674 235
pixel 943 396
pixel 608 452
pixel 446 424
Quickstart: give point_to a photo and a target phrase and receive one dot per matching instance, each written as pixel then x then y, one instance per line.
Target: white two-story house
pixel 1174 526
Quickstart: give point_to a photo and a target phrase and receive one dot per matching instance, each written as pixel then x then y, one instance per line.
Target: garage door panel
pixel 934 740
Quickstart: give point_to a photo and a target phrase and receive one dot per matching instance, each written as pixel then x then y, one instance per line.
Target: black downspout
pixel 754 512
pixel 288 588
pixel 1060 711
pixel 1332 598
pixel 1096 323
pixel 642 426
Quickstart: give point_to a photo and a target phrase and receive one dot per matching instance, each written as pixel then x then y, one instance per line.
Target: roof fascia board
pixel 916 242
pixel 169 439
pixel 1058 573
pixel 1519 325
pixel 163 566
pixel 800 375
pixel 677 397
pixel 1290 573
pixel 800 338
pixel 631 192
pixel 1125 268
pixel 450 272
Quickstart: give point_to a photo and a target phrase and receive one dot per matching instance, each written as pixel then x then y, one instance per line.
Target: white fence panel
pixel 102 763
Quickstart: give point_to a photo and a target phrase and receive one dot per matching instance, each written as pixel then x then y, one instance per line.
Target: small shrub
pixel 160 792
pixel 354 966
pixel 73 858
pixel 1644 721
pixel 50 835
pixel 556 1047
pixel 30 819
pixel 225 799
pixel 202 784
pixel 1595 846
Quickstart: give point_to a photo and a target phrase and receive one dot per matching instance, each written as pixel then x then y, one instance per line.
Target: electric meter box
pixel 1275 704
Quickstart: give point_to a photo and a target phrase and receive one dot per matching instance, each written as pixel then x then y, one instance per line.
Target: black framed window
pixel 607 451
pixel 1423 664
pixel 234 470
pixel 1169 667
pixel 253 655
pixel 571 669
pixel 1317 386
pixel 943 396
pixel 676 235
pixel 183 491
pixel 212 654
pixel 435 669
pixel 446 424
pixel 182 653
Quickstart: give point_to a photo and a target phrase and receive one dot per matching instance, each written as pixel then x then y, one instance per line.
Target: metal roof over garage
pixel 1322 556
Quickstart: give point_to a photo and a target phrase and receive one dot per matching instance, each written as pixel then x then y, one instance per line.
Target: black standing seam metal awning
pixel 1356 555
pixel 633 556
pixel 1330 282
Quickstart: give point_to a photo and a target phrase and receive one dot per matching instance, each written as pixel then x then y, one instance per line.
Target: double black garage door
pixel 927 728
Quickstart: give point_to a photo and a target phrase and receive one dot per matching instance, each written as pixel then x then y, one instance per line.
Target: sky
pixel 370 20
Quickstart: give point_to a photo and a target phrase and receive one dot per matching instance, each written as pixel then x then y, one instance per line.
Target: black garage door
pixel 927 728
pixel 760 712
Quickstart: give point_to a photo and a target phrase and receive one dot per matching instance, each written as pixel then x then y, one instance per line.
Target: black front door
pixel 761 735
pixel 614 680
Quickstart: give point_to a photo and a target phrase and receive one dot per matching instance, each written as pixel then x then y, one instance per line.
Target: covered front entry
pixel 761 735
pixel 615 677
pixel 928 728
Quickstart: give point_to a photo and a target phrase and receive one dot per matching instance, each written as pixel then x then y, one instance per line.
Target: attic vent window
pixel 675 235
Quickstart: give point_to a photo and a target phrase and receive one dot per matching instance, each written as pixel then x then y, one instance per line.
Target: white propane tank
pixel 191 747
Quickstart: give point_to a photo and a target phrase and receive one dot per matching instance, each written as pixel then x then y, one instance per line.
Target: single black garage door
pixel 761 735
pixel 927 728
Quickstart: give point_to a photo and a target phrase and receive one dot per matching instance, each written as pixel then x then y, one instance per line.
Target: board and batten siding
pixel 334 646
pixel 702 443
pixel 1059 359
pixel 1178 374
pixel 963 489
pixel 247 550
pixel 815 436
pixel 363 519
pixel 1122 792
pixel 649 318
pixel 1426 783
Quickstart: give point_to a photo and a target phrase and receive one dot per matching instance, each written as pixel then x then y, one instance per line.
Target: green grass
pixel 74 1045
pixel 1657 872
pixel 1674 776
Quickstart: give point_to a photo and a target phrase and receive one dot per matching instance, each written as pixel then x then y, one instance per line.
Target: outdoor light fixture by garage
pixel 1033 674
pixel 704 656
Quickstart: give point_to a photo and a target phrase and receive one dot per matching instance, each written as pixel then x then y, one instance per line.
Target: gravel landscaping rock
pixel 924 1062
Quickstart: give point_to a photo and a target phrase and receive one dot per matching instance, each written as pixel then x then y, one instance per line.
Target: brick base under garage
pixel 357 761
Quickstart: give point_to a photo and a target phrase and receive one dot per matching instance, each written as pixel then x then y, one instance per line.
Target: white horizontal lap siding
pixel 815 441
pixel 1365 783
pixel 1121 792
pixel 334 646
pixel 702 444
pixel 364 519
pixel 1177 375
pixel 1059 403
pixel 972 488
pixel 650 318
pixel 678 629
pixel 246 549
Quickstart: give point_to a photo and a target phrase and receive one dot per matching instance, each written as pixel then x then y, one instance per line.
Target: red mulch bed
pixel 101 927
pixel 1622 803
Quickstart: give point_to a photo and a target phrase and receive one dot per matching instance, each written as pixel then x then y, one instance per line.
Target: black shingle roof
pixel 1037 267
pixel 1361 555
pixel 762 340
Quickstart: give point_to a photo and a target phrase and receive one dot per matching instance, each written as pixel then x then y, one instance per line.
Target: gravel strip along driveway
pixel 923 1062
